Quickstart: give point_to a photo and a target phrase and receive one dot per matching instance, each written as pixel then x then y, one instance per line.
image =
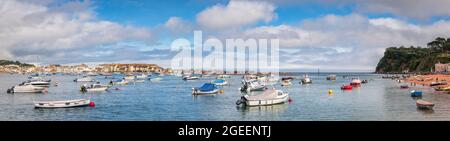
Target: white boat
pixel 306 80
pixel 25 88
pixel 223 76
pixel 142 76
pixel 220 82
pixel 156 79
pixel 139 81
pixel 91 74
pixel 190 77
pixel 40 83
pixel 355 81
pixel 121 82
pixel 62 104
pixel 94 88
pixel 129 77
pixel 252 85
pixel 269 97
pixel 286 83
pixel 84 79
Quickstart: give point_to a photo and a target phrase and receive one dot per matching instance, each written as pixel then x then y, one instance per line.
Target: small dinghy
pixel 220 82
pixel 346 87
pixel 121 82
pixel 306 80
pixel 84 79
pixel 269 97
pixel 331 77
pixel 287 78
pixel 355 82
pixel 404 86
pixel 286 83
pixel 422 104
pixel 253 85
pixel 223 76
pixel 207 88
pixel 94 88
pixel 64 103
pixel 415 93
pixel 190 78
pixel 156 79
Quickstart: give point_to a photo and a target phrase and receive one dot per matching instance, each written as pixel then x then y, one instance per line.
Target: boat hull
pixel 196 92
pixel 62 104
pixel 280 100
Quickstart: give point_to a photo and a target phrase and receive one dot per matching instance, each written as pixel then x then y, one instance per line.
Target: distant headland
pixel 433 58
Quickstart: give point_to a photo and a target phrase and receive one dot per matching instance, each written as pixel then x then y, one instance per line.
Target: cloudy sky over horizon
pixel 340 35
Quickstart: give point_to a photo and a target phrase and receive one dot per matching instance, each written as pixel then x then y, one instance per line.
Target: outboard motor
pixel 241 101
pixel 9 91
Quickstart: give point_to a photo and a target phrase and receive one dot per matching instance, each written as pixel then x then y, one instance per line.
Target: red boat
pixel 347 87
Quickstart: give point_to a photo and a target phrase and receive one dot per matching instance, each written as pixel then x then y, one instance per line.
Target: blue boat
pixel 220 82
pixel 207 88
pixel 415 93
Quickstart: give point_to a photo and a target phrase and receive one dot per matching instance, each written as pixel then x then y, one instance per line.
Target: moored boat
pixel 121 82
pixel 415 93
pixel 130 77
pixel 253 85
pixel 268 97
pixel 443 88
pixel 286 83
pixel 331 77
pixel 287 78
pixel 190 77
pixel 404 86
pixel 94 88
pixel 223 76
pixel 220 82
pixel 306 80
pixel 346 87
pixel 156 79
pixel 63 104
pixel 422 104
pixel 207 88
pixel 355 82
pixel 25 88
pixel 84 79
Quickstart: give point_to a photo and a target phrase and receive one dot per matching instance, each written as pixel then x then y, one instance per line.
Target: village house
pixel 440 68
pixel 130 68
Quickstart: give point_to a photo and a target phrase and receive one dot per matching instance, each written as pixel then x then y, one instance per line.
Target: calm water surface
pixel 171 99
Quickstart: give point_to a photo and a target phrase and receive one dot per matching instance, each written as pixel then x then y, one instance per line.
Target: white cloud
pixel 178 25
pixel 419 9
pixel 236 14
pixel 30 28
pixel 353 40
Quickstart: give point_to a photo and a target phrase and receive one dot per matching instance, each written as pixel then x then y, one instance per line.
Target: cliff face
pixel 406 59
pixel 415 59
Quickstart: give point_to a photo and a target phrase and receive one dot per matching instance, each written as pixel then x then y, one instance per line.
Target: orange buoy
pixel 92 104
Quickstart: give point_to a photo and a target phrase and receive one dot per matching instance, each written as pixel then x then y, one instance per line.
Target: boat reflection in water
pixel 269 109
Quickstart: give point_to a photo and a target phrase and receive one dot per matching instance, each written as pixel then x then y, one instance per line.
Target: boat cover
pixel 208 87
pixel 219 81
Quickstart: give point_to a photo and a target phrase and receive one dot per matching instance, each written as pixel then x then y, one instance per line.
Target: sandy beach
pixel 426 80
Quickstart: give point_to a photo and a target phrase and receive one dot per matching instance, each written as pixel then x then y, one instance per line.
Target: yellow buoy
pixel 221 91
pixel 330 91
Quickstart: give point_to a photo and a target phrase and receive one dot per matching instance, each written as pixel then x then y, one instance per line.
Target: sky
pixel 330 35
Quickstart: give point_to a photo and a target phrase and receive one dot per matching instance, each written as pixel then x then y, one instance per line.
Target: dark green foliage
pixel 415 59
pixel 8 62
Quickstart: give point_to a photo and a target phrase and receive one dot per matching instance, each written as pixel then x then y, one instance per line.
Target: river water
pixel 171 100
